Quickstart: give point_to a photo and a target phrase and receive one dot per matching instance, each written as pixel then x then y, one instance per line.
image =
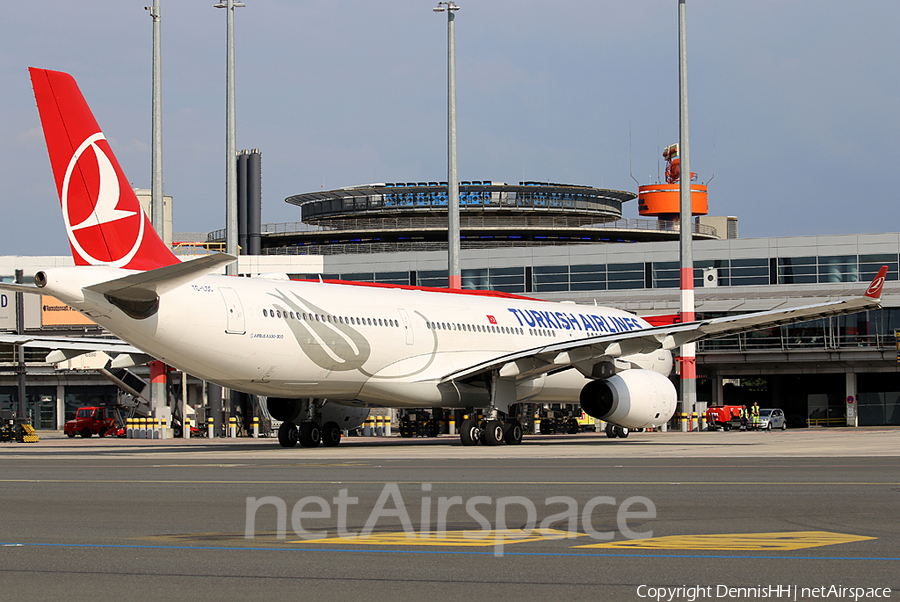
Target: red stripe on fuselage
pixel 429 289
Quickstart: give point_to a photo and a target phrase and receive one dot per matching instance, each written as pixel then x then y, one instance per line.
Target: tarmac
pixel 740 516
pixel 810 442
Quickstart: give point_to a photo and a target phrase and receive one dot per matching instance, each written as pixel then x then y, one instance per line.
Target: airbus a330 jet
pixel 324 353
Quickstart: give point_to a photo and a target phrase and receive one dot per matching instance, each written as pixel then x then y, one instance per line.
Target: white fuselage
pixel 353 344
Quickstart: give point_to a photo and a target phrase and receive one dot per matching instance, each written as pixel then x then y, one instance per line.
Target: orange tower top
pixel 664 200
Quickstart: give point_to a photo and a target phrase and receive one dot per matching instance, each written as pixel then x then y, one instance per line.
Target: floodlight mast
pixel 231 221
pixel 688 351
pixel 454 279
pixel 157 218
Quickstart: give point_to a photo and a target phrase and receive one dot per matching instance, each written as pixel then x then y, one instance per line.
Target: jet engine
pixel 634 399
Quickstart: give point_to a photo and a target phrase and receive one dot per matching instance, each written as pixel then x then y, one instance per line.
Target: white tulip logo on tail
pixel 875 287
pixel 104 210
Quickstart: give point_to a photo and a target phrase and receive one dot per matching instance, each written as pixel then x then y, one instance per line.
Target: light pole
pixel 231 223
pixel 453 271
pixel 688 352
pixel 157 218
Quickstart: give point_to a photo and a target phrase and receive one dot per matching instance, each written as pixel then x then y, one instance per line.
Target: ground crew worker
pixel 754 414
pixel 744 417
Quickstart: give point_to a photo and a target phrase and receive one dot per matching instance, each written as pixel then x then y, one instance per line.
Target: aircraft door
pixel 234 311
pixel 407 325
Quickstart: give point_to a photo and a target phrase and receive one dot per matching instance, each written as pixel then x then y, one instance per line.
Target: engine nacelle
pixel 287 409
pixel 633 399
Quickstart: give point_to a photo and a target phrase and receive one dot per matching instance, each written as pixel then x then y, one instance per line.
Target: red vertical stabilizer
pixel 103 218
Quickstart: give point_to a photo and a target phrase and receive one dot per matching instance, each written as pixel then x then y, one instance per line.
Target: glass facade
pixel 666 274
pixel 392 277
pixel 749 272
pixel 587 278
pixel 874 328
pixel 89 395
pixel 879 399
pixel 475 194
pixel 625 276
pixel 40 404
pixel 433 278
pixel 554 278
pixel 797 270
pixel 658 274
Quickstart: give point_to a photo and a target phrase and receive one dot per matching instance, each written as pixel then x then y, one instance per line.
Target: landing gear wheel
pixel 469 433
pixel 621 432
pixel 86 432
pixel 288 435
pixel 310 435
pixel 331 434
pixel 611 431
pixel 493 432
pixel 512 432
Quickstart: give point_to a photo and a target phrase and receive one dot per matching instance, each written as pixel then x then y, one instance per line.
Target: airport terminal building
pixel 569 243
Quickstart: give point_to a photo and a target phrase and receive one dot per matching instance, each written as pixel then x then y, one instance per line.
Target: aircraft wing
pixel 585 352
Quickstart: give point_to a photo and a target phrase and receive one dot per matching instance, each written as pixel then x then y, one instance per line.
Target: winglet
pixel 874 290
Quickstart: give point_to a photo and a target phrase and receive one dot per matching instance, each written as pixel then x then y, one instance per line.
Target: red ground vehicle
pixel 724 417
pixel 91 421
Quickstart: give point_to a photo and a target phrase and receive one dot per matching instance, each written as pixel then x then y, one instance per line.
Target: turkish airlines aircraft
pixel 300 343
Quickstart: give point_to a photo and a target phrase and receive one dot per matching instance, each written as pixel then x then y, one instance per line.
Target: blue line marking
pixel 454 552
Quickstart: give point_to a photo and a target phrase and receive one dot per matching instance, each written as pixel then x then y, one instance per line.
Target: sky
pixel 794 106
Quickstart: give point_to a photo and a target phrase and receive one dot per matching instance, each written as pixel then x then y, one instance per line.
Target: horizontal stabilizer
pixel 156 282
pixel 20 288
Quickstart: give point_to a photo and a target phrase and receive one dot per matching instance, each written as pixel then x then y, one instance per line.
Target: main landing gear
pixel 309 434
pixel 494 429
pixel 490 432
pixel 288 434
